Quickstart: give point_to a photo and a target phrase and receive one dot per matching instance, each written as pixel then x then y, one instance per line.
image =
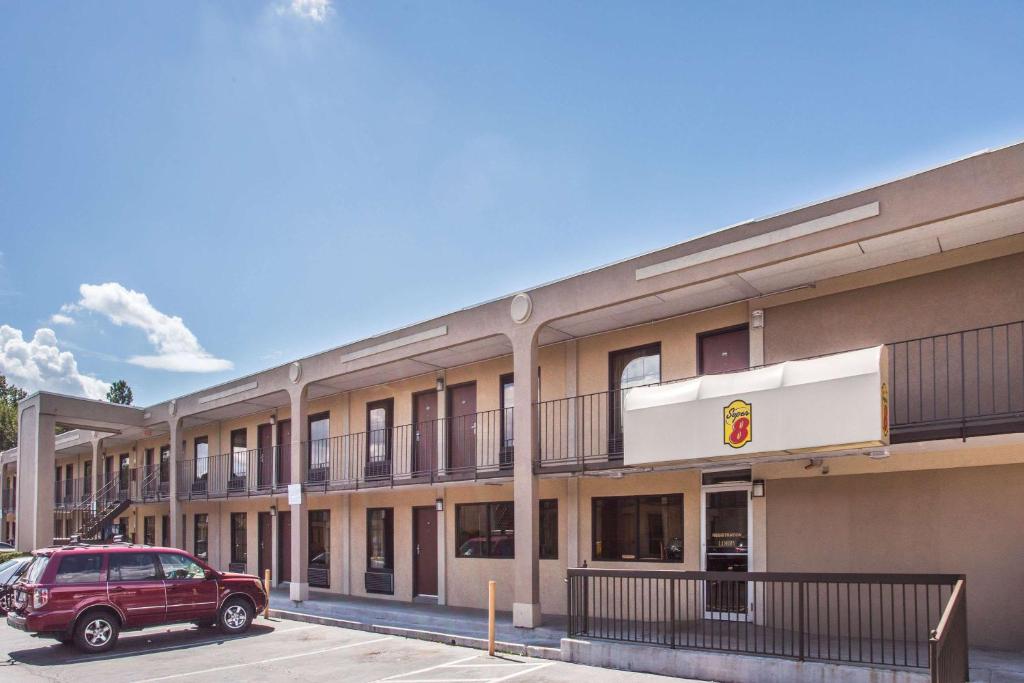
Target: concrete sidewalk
pixel 454 625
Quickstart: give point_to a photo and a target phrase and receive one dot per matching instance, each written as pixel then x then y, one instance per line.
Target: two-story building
pixel 833 391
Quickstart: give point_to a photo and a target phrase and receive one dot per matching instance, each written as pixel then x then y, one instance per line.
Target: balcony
pixel 246 473
pixel 70 494
pixel 469 447
pixel 956 385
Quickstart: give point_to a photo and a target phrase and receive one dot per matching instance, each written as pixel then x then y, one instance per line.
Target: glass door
pixel 726 541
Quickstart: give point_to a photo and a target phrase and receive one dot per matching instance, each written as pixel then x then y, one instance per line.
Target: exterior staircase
pixel 94 512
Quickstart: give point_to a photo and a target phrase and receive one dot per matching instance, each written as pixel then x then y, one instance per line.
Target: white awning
pixel 822 404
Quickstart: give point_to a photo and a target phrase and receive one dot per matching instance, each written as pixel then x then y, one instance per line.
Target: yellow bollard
pixel 266 587
pixel 491 589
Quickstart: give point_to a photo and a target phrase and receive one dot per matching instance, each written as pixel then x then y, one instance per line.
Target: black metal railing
pixel 473 446
pixel 947 647
pixel 242 473
pixel 967 383
pixel 876 619
pixel 70 493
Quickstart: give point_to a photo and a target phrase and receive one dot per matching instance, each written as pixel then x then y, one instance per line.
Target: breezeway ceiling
pixel 926 240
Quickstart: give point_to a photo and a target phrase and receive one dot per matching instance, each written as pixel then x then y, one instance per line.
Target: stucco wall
pixel 965 520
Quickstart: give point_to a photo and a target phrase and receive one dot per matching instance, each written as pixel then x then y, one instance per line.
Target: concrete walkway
pixel 426 621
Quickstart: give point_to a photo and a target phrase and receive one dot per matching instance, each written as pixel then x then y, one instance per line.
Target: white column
pixel 35 478
pixel 571 390
pixel 756 337
pixel 526 602
pixel 572 525
pixel 299 586
pixel 442 552
pixel 344 551
pixel 174 508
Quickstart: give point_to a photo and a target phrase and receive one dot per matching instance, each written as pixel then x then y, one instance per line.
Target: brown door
pixel 284 447
pixel 424 414
pixel 265 540
pixel 284 546
pixel 265 444
pixel 462 427
pixel 724 351
pixel 424 551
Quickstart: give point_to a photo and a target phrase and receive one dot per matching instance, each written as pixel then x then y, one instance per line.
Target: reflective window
pixel 178 567
pixel 319 440
pixel 79 569
pixel 149 530
pixel 132 567
pixel 239 551
pixel 380 544
pixel 320 539
pixel 201 536
pixel 638 528
pixel 238 453
pixel 378 427
pixel 485 530
pixel 202 455
pixel 548 529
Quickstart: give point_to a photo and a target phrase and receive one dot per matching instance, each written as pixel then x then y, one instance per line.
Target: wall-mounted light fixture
pixel 440 383
pixel 439 504
pixel 273 419
pixel 757 488
pixel 273 511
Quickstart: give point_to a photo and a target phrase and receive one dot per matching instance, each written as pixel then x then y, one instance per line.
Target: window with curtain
pixel 638 528
pixel 380 541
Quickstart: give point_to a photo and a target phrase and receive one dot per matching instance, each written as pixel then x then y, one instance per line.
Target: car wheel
pixel 235 616
pixel 97 632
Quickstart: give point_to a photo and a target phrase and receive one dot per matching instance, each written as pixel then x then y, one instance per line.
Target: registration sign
pixel 295 494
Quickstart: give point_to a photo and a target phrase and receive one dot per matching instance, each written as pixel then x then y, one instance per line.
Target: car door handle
pixel 118 589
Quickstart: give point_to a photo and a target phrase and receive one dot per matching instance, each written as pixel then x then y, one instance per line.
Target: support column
pixel 572 554
pixel 571 390
pixel 442 425
pixel 176 536
pixel 275 543
pixel 442 552
pixel 756 337
pixel 97 462
pixel 526 604
pixel 299 587
pixel 35 476
pixel 345 547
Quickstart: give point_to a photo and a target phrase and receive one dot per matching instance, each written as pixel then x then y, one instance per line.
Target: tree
pixel 9 397
pixel 120 392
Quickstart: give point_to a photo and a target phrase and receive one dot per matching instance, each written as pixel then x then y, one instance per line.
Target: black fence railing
pixel 474 446
pixel 251 472
pixel 947 649
pixel 71 493
pixel 875 619
pixel 967 383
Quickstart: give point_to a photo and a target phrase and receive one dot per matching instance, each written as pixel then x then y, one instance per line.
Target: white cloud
pixel 314 10
pixel 61 319
pixel 177 349
pixel 40 364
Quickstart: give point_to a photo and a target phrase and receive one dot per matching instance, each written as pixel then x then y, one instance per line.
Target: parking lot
pixel 275 650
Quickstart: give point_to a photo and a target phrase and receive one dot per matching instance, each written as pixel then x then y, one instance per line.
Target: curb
pixel 538 651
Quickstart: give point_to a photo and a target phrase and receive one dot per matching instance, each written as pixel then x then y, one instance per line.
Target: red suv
pixel 89 594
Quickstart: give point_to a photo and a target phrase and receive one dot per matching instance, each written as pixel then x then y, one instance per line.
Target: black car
pixel 10 572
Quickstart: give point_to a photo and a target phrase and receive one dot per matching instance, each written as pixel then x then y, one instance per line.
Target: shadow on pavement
pixel 132 644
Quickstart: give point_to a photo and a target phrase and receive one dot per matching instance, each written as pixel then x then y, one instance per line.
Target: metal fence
pixel 242 473
pixel 876 619
pixel 474 446
pixel 947 646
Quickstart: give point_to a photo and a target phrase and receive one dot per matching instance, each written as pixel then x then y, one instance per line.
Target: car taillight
pixel 40 596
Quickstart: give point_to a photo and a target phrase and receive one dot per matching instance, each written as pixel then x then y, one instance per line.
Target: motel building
pixel 799 436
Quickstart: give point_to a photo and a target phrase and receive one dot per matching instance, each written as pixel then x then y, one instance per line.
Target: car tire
pixel 66 638
pixel 97 632
pixel 235 616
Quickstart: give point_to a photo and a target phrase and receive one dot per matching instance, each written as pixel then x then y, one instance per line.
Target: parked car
pixel 89 594
pixel 10 572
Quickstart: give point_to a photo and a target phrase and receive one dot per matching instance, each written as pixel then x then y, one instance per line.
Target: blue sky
pixel 201 190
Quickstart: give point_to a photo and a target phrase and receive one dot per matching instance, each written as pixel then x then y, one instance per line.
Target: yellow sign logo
pixel 738 421
pixel 885 410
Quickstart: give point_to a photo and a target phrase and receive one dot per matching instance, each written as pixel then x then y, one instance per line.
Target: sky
pixel 190 192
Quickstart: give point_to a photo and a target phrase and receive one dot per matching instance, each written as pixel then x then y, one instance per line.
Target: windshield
pixel 10 569
pixel 38 566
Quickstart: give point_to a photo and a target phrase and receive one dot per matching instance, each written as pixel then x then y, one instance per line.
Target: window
pixel 380 541
pixel 638 528
pixel 165 463
pixel 239 553
pixel 202 454
pixel 165 530
pixel 507 397
pixel 201 537
pixel 238 453
pixel 319 539
pixel 132 567
pixel 319 435
pixel 548 529
pixel 178 567
pixel 485 530
pixel 725 350
pixel 79 569
pixel 149 530
pixel 628 368
pixel 87 477
pixel 378 430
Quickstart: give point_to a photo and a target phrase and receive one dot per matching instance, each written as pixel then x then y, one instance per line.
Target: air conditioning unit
pixel 380 582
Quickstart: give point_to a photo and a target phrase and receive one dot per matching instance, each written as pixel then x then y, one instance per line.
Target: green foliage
pixel 120 392
pixel 10 554
pixel 9 397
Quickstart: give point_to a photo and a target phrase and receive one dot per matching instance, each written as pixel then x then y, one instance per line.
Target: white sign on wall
pixel 820 404
pixel 295 494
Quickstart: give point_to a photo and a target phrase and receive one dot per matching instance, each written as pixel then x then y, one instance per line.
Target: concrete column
pixel 252 543
pixel 345 547
pixel 97 463
pixel 572 524
pixel 526 602
pixel 571 389
pixel 442 552
pixel 35 478
pixel 299 587
pixel 442 426
pixel 177 534
pixel 756 336
pixel 275 543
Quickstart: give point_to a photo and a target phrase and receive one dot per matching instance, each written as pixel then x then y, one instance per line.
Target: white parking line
pixel 265 661
pixel 522 668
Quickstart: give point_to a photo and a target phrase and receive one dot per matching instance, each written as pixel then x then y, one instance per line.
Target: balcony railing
pixel 896 620
pixel 467 447
pixel 967 383
pixel 243 473
pixel 71 493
